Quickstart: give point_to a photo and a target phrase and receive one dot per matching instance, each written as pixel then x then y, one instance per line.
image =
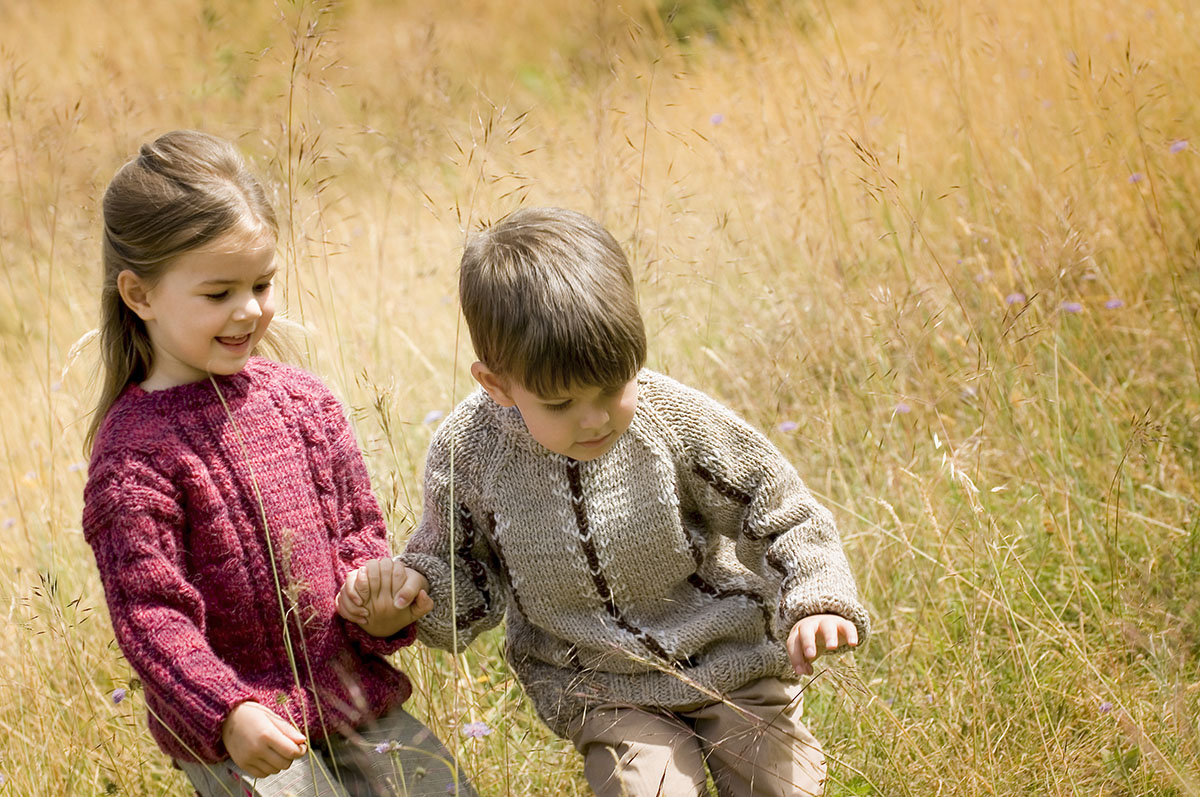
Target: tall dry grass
pixel 945 253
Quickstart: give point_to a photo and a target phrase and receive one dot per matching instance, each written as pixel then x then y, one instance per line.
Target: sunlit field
pixel 944 253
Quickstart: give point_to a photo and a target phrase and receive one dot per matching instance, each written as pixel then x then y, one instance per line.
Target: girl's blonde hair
pixel 184 190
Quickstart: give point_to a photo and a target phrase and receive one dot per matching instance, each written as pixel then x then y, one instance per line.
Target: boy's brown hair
pixel 549 299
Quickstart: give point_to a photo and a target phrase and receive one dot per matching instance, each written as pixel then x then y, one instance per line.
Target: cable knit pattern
pixel 675 563
pixel 173 516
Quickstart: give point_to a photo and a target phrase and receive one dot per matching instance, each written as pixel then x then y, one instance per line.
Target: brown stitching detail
pixel 593 559
pixel 474 569
pixel 721 486
pixel 721 594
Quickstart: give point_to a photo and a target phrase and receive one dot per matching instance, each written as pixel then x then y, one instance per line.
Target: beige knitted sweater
pixel 666 571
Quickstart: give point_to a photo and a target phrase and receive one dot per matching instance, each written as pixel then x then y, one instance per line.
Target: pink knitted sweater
pixel 172 512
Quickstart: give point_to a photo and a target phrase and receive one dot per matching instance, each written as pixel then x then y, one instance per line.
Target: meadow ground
pixel 944 253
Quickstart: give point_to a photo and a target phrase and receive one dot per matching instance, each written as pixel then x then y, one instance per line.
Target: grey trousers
pixel 395 756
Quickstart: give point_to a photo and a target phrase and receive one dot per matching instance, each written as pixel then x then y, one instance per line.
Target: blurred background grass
pixel 944 253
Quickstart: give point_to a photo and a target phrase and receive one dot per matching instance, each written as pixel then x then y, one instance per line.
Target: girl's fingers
pixel 362 587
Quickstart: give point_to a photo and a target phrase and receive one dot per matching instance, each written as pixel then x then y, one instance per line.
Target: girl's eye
pixel 217 297
pixel 262 287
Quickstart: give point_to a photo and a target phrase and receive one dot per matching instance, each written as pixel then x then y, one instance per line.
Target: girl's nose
pixel 250 309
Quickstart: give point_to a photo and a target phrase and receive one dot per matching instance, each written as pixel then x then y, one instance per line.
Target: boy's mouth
pixel 597 441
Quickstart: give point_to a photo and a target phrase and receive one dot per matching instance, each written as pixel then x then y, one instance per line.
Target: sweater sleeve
pixel 363 533
pixel 746 490
pixel 133 521
pixel 450 547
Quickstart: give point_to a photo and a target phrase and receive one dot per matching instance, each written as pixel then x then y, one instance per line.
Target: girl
pixel 227 502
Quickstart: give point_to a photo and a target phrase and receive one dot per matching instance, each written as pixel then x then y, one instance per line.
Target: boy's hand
pixel 817 634
pixel 383 596
pixel 260 741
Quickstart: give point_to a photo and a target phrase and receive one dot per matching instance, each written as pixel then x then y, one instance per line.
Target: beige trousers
pixel 754 744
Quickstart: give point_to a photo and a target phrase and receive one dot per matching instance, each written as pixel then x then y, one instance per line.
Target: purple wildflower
pixel 903 408
pixel 433 416
pixel 1136 177
pixel 118 695
pixel 476 730
pixel 716 118
pixel 1113 304
pixel 384 747
pixel 1072 307
pixel 1106 707
pixel 788 426
pixel 1016 297
pixel 1178 146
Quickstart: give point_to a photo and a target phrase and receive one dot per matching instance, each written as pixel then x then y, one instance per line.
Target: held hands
pixel 817 634
pixel 383 596
pixel 260 741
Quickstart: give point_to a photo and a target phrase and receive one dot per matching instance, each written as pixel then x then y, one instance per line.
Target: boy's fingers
pixel 422 606
pixel 807 641
pixel 406 590
pixel 373 577
pixel 387 578
pixel 832 632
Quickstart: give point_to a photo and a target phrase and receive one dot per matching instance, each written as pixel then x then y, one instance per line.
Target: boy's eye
pixel 558 406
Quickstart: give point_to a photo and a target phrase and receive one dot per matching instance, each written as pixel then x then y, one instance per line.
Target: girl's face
pixel 209 311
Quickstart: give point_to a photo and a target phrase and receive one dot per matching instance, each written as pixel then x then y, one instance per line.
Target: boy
pixel 665 574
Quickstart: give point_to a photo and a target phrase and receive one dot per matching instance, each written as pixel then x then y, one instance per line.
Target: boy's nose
pixel 596 417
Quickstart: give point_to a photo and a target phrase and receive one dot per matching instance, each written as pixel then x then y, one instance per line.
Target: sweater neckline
pixel 200 391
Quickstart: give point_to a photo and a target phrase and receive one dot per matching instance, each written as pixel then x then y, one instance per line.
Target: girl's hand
pixel 260 741
pixel 350 602
pixel 817 634
pixel 383 596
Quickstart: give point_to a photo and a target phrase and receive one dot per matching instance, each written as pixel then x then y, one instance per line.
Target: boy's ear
pixel 134 292
pixel 494 384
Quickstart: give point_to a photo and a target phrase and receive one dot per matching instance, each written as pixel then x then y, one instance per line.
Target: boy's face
pixel 582 423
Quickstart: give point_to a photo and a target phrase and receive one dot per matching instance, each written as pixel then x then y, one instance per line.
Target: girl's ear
pixel 134 292
pixel 495 385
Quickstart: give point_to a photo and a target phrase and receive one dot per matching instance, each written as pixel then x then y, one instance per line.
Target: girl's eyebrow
pixel 220 281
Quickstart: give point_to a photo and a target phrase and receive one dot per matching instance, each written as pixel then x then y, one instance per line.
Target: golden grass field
pixel 944 252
